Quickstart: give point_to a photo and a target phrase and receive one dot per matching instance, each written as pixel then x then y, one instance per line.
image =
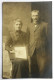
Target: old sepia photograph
pixel 26 40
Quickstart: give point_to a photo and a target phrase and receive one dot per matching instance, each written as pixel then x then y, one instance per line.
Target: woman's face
pixel 17 25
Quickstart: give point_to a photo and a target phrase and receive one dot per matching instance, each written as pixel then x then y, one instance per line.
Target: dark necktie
pixel 36 26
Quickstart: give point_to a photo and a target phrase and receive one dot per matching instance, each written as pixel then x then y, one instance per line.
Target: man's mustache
pixel 35 19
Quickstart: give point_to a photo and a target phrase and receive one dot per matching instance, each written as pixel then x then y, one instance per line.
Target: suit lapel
pixel 35 28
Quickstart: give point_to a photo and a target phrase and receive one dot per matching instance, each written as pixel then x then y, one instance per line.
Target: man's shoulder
pixel 44 23
pixel 30 27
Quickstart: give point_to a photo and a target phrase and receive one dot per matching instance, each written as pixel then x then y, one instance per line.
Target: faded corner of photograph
pixel 27 40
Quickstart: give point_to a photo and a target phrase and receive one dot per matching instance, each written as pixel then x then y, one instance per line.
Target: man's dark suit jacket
pixel 38 46
pixel 37 36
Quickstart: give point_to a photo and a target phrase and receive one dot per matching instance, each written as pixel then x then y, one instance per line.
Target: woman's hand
pixel 12 51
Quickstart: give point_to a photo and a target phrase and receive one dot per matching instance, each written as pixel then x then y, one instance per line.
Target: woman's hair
pixel 18 20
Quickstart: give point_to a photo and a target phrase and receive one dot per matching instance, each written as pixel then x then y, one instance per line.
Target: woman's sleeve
pixel 8 44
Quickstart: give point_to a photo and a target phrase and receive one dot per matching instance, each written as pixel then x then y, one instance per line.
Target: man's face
pixel 17 26
pixel 35 16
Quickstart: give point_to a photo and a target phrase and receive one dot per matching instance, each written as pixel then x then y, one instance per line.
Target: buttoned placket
pixel 36 27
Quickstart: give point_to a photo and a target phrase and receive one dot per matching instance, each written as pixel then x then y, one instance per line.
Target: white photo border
pixel 1 1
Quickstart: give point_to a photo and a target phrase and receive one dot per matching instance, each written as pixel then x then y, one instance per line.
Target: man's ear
pixel 31 20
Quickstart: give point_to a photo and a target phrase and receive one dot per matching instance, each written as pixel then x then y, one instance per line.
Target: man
pixel 18 38
pixel 37 34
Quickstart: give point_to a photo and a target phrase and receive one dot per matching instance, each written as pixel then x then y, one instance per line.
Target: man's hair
pixel 18 20
pixel 35 11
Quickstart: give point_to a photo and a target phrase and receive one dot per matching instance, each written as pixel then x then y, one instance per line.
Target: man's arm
pixel 28 35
